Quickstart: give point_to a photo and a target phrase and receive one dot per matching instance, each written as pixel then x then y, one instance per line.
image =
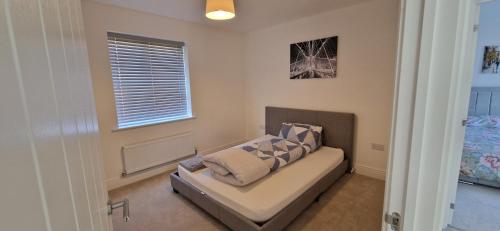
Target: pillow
pixel 307 135
pixel 270 150
pixel 276 152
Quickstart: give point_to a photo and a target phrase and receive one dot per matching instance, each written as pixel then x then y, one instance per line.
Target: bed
pixel 274 201
pixel 481 153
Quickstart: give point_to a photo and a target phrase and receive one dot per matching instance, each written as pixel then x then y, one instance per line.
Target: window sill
pixel 149 125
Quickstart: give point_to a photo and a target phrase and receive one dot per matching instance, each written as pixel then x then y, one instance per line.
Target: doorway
pixel 477 201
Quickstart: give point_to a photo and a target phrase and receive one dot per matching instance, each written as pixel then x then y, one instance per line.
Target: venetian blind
pixel 150 82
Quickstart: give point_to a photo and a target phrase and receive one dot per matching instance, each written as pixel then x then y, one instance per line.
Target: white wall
pixel 489 34
pixel 216 73
pixel 235 75
pixel 364 84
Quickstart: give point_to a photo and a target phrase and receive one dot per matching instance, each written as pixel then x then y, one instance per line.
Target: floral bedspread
pixel 481 153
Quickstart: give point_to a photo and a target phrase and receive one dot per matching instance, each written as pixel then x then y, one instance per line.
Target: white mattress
pixel 261 200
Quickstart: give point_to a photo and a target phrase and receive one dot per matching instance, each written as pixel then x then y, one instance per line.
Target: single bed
pixel 274 201
pixel 481 153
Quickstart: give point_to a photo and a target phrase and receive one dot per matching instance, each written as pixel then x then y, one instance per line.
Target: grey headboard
pixel 484 101
pixel 338 128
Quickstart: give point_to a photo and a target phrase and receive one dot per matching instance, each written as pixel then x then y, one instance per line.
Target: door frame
pixel 408 182
pixel 460 109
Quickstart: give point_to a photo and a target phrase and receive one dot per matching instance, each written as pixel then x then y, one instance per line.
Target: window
pixel 150 80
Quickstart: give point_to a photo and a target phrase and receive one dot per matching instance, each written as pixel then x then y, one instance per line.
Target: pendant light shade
pixel 220 9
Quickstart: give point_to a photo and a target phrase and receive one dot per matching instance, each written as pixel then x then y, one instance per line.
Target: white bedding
pixel 264 198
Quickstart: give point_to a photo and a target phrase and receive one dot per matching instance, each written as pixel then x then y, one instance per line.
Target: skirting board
pixel 370 171
pixel 117 182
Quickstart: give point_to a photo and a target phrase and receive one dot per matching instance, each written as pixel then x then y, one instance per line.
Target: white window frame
pixel 190 114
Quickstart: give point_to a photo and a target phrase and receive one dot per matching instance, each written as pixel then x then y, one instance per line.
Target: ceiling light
pixel 220 9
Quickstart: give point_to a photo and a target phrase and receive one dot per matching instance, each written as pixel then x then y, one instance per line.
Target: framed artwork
pixel 315 59
pixel 491 59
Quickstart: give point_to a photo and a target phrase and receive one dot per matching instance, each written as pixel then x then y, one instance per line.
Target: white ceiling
pixel 250 14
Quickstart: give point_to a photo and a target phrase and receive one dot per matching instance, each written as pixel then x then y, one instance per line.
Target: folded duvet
pixel 235 166
pixel 243 165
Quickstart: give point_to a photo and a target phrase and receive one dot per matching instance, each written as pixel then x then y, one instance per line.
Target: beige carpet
pixel 355 204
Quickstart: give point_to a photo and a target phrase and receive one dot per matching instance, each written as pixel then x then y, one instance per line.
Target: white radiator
pixel 154 153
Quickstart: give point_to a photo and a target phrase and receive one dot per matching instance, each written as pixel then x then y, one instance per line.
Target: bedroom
pixel 107 99
pixel 249 79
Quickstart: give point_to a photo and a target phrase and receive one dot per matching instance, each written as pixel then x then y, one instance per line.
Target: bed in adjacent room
pixel 481 153
pixel 272 202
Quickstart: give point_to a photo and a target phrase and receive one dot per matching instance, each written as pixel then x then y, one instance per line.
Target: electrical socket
pixel 378 147
pixel 262 127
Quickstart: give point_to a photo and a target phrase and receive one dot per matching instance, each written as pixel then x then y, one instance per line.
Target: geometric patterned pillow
pixel 273 152
pixel 307 135
pixel 276 152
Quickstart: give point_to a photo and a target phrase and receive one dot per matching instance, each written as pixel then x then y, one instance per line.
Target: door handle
pixel 124 204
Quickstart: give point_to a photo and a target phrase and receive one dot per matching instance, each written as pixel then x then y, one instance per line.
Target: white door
pixel 402 122
pixel 50 165
pixel 459 112
pixel 433 67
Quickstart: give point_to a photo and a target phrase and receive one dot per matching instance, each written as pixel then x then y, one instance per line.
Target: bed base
pixel 236 221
